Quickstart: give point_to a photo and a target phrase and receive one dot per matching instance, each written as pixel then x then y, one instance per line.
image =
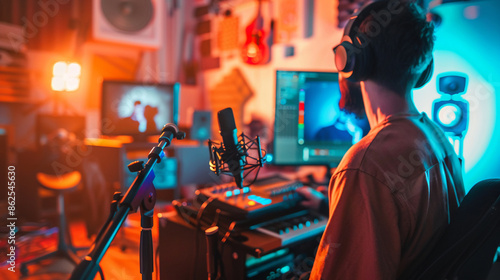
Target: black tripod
pixel 141 194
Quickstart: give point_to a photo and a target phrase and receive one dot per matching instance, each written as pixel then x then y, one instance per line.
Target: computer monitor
pixel 137 109
pixel 309 128
pixel 193 165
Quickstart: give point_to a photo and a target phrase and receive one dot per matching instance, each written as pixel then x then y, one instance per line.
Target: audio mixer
pixel 264 197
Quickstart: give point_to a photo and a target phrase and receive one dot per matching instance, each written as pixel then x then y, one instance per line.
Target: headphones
pixel 354 56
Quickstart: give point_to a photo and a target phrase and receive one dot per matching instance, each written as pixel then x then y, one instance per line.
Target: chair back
pixel 470 242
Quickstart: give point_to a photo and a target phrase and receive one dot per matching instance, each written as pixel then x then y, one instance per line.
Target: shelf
pixel 14 84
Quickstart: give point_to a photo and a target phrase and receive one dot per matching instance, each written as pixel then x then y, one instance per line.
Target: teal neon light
pixel 465 43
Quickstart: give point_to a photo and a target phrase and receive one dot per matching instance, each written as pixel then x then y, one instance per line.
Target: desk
pixel 186 163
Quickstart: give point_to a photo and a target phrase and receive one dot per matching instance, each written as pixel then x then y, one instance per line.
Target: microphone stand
pixel 211 235
pixel 141 194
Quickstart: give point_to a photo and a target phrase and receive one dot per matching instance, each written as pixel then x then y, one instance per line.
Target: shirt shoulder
pixel 398 145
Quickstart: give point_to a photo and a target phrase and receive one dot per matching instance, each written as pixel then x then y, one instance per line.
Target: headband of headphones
pixel 354 56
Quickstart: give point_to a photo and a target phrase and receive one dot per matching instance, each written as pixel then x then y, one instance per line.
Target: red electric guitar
pixel 255 50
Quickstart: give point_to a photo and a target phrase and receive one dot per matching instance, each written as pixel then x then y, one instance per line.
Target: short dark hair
pixel 402 49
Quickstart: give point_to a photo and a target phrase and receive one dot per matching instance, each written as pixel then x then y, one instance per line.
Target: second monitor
pixel 310 128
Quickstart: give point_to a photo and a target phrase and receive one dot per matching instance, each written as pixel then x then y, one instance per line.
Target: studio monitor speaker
pixel 131 22
pixel 202 124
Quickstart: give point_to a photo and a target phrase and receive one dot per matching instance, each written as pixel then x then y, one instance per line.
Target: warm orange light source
pixel 59 68
pixel 66 77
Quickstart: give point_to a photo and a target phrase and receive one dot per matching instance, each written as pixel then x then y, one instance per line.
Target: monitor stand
pixel 325 180
pixel 328 175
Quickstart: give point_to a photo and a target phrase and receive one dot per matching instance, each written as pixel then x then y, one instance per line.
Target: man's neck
pixel 380 102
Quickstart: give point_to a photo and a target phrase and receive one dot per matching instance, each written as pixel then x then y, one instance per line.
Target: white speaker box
pixel 132 22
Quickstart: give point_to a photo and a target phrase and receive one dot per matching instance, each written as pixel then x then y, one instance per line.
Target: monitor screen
pixel 310 129
pixel 137 109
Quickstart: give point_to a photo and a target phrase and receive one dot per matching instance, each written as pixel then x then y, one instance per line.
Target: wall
pixel 467 42
pixel 311 53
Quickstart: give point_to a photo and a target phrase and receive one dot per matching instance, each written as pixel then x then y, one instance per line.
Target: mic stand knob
pixel 180 135
pixel 136 166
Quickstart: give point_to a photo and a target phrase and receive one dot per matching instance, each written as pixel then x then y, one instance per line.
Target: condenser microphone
pixel 231 155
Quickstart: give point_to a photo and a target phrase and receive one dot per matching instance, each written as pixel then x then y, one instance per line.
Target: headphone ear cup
pixel 352 62
pixel 344 60
pixel 426 75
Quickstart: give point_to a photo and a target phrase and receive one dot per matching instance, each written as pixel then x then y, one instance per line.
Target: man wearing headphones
pixel 391 196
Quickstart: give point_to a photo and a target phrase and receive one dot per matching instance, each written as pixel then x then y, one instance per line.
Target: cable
pixel 222 246
pixel 198 229
pixel 216 217
pixel 183 212
pixel 101 273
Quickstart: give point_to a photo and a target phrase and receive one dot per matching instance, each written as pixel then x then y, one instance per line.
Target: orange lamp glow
pixel 66 76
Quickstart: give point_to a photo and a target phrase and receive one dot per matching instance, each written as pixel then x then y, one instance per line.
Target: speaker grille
pixel 128 15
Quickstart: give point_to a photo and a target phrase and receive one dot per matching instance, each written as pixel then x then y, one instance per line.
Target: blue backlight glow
pixel 465 44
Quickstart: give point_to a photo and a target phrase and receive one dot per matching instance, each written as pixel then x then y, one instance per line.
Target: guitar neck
pixel 259 20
